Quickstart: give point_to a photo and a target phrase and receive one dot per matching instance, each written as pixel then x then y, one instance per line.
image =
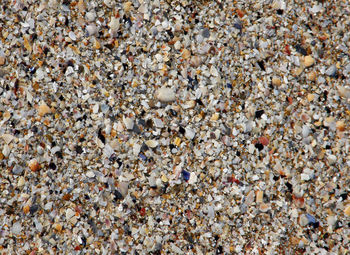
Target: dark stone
pixel 52 166
pixel 300 50
pixel 34 208
pixel 117 195
pixel 259 146
pixel 259 113
pixel 261 65
pixel 78 149
pixel 101 136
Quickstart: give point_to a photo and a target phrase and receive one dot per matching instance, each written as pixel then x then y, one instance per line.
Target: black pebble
pixel 259 113
pixel 261 65
pixel 279 11
pixel 289 186
pixel 52 166
pixel 78 149
pixel 101 136
pixel 33 209
pixel 259 146
pixel 182 130
pixel 118 195
pixel 300 50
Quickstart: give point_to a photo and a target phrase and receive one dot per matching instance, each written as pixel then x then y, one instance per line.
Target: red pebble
pixel 263 140
pixel 143 211
pixel 287 50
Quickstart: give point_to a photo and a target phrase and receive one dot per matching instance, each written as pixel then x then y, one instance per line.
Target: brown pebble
pixel 44 109
pixel 276 81
pixel 186 54
pixel 2 61
pixel 26 209
pixel 34 165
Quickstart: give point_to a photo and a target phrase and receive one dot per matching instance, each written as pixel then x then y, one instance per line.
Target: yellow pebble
pixel 309 61
pixel 177 141
pixel 310 97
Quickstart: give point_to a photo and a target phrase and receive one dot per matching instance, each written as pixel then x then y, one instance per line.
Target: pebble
pixel 276 81
pixel 152 143
pixel 128 122
pixel 347 211
pixel 91 30
pixel 16 228
pixel 165 95
pixel 331 71
pixel 34 165
pixel 308 61
pixel 312 76
pixel 44 109
pixel 2 60
pixel 17 170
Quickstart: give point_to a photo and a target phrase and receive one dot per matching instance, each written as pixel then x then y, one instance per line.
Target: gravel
pixel 174 127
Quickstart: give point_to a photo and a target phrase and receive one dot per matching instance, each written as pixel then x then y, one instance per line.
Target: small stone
pixel 16 228
pixel 177 45
pixel 21 181
pixel 259 196
pixel 206 33
pixel 308 61
pixel 7 138
pixel 332 159
pixel 72 36
pixel 331 71
pixel 6 150
pixel 90 16
pixel 193 178
pixel 26 209
pixel 189 133
pixel 186 54
pixel 177 141
pixel 186 175
pixel 276 81
pixel 344 92
pixel 2 60
pixel 57 227
pixel 215 117
pixel 128 122
pixel 196 61
pixel 127 6
pixel 347 211
pixel 165 95
pixel 69 213
pixel 310 97
pixel 263 140
pixel 91 30
pixel 152 143
pixel 312 76
pixel 90 174
pixel 123 188
pixel 34 165
pixel 164 178
pixel 44 109
pixel 264 207
pixel 340 125
pixel 17 169
pixel 303 220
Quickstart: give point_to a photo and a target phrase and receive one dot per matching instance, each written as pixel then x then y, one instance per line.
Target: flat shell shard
pixel 165 95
